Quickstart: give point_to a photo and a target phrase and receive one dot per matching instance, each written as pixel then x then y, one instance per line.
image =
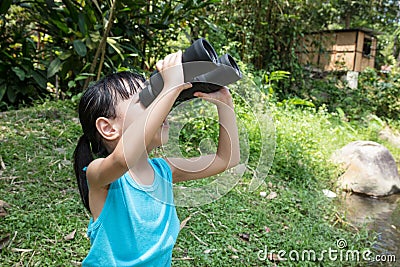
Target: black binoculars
pixel 201 67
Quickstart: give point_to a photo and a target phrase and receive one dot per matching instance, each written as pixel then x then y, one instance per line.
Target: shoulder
pixel 91 171
pixel 103 171
pixel 160 162
pixel 161 166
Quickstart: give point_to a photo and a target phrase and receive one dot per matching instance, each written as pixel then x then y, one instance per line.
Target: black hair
pixel 99 100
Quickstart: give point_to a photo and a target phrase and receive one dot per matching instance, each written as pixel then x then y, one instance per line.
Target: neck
pixel 142 161
pixel 142 172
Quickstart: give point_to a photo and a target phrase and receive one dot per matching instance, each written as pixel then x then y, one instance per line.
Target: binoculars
pixel 201 67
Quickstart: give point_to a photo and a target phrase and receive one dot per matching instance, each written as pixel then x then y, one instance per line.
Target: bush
pixel 376 94
pixel 382 92
pixel 21 79
pixel 49 49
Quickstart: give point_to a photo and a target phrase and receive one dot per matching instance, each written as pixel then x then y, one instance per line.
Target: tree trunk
pixel 396 39
pixel 347 20
pixel 102 45
pixel 143 64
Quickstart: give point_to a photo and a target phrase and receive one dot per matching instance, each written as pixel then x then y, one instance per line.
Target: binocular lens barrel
pixel 229 61
pixel 202 67
pixel 200 50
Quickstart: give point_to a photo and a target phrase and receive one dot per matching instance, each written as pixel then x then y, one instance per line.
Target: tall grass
pixel 45 224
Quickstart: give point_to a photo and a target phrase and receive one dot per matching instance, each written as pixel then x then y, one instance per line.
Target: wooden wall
pixel 341 50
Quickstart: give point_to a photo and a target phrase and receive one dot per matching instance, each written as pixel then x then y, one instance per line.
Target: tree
pixel 60 43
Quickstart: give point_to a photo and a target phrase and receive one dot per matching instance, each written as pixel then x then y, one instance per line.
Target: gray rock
pixel 369 169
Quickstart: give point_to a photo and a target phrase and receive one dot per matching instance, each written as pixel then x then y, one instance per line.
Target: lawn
pixel 43 222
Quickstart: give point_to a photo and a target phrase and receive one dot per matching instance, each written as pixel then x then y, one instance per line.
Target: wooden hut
pixel 347 50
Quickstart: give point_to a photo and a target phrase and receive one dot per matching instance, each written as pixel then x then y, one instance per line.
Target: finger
pixel 178 57
pixel 225 89
pixel 186 86
pixel 159 65
pixel 167 60
pixel 201 94
pixel 175 59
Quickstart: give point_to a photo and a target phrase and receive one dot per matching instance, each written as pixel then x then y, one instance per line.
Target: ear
pixel 107 129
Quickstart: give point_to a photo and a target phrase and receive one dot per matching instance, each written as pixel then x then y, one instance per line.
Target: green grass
pixel 39 185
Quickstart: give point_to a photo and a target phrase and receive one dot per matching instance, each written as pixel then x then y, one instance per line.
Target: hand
pixel 171 71
pixel 222 96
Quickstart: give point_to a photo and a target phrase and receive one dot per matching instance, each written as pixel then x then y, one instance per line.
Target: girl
pixel 134 221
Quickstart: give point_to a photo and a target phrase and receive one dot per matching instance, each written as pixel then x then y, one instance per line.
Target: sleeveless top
pixel 138 224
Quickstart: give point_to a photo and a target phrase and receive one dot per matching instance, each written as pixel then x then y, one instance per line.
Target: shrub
pixel 376 94
pixel 382 92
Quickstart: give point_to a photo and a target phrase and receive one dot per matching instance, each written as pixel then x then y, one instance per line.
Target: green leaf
pixel 82 24
pixel 80 48
pixel 299 102
pixel 177 8
pixel 54 67
pixel 113 43
pixel 279 75
pixel 65 55
pixel 82 77
pixel 20 73
pixel 3 89
pixel 12 94
pixel 60 25
pixel 39 79
pixel 71 84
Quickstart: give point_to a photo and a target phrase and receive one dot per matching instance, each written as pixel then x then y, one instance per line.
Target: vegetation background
pixel 50 50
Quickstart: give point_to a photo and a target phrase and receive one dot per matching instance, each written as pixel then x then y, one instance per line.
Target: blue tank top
pixel 138 224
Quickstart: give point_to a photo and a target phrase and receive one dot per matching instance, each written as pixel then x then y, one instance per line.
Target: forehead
pixel 131 86
pixel 131 106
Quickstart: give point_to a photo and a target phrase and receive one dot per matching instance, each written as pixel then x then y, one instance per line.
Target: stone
pixel 369 169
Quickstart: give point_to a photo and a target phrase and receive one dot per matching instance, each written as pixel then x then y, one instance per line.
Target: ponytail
pixel 82 157
pixel 99 100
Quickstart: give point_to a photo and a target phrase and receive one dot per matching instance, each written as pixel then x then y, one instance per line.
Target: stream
pixel 381 215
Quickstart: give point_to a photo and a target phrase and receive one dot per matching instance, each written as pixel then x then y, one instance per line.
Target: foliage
pixel 381 16
pixel 377 93
pixel 353 14
pixel 268 33
pixel 196 131
pixel 48 48
pixel 21 77
pixel 45 207
pixel 382 92
pixel 265 33
pixel 50 45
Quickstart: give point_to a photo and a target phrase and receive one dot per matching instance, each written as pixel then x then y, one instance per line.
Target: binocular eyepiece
pixel 201 67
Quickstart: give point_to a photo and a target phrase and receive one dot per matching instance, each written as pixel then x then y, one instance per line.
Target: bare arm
pixel 228 151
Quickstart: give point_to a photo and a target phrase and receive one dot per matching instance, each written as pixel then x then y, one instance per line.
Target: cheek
pixel 132 113
pixel 128 121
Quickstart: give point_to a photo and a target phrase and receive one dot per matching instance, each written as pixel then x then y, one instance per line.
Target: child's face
pixel 131 109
